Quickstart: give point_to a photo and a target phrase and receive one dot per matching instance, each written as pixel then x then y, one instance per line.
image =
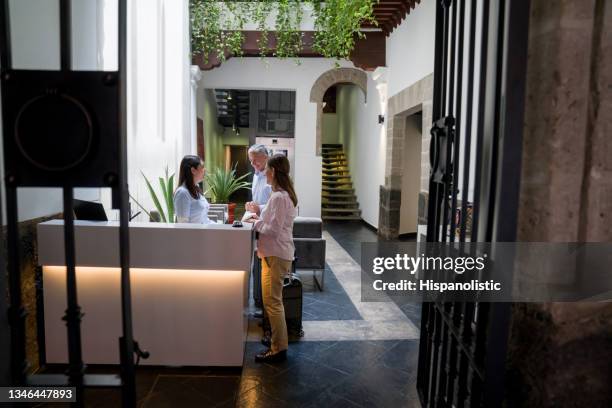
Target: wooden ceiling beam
pixel 385 14
pixel 393 7
pixel 385 10
pixel 390 13
pixel 387 28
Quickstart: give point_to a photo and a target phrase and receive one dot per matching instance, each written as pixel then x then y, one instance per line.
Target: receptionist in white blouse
pixel 190 205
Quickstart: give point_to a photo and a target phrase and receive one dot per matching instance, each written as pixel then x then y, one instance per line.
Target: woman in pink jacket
pixel 275 248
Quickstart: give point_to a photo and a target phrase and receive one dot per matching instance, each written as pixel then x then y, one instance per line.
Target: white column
pixel 380 77
pixel 195 76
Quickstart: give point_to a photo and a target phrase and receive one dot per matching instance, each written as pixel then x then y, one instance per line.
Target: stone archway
pixel 330 78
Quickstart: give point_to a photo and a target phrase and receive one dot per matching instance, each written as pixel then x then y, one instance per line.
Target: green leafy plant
pixel 288 33
pixel 222 184
pixel 260 12
pixel 166 185
pixel 217 27
pixel 338 24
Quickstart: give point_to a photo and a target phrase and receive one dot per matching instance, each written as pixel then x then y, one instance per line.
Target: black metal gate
pixel 67 129
pixel 475 153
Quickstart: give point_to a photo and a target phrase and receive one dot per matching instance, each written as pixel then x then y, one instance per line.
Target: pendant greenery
pixel 217 27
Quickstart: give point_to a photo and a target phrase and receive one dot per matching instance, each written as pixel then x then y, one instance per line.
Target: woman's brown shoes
pixel 268 357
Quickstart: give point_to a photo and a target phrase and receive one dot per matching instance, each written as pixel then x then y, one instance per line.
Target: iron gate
pixel 475 153
pixel 66 128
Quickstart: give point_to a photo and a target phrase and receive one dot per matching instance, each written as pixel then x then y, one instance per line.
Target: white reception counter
pixel 189 291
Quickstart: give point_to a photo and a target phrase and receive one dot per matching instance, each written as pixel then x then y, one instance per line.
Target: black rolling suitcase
pixel 292 301
pixel 293 294
pixel 257 297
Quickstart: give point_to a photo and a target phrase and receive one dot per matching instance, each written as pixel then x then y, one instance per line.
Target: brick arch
pixel 336 76
pixel 328 79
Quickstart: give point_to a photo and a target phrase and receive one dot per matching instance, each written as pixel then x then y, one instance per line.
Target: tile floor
pixel 349 357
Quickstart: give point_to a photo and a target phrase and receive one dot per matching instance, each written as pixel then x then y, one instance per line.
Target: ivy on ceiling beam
pixel 217 28
pixel 368 53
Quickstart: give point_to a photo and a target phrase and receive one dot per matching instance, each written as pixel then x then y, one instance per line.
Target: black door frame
pixel 5 345
pixel 463 345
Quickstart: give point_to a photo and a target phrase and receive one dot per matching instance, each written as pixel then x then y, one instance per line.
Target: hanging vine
pixel 338 24
pixel 217 27
pixel 288 33
pixel 260 12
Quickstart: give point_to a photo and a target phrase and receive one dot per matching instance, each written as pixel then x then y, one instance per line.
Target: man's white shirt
pixel 261 189
pixel 261 192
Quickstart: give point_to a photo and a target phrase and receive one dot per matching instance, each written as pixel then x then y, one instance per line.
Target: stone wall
pixel 415 98
pixel 560 354
pixel 31 282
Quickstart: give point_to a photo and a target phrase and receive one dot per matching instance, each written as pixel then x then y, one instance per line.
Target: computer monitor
pixel 88 210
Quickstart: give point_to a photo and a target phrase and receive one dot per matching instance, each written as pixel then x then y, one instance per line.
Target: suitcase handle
pixel 289 278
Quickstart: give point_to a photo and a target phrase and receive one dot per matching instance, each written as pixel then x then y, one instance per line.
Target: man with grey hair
pixel 261 190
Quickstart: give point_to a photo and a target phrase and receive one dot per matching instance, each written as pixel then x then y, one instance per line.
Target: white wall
pixel 329 128
pixel 159 99
pixel 410 58
pixel 410 47
pixel 158 80
pixel 252 73
pixel 366 148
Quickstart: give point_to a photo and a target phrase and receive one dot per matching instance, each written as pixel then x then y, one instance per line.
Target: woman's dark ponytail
pixel 186 176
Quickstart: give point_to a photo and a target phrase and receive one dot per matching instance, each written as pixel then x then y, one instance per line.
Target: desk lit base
pixel 182 317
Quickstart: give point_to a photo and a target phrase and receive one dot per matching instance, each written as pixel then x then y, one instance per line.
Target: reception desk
pixel 189 291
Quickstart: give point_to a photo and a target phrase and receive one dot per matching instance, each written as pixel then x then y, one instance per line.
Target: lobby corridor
pixel 353 353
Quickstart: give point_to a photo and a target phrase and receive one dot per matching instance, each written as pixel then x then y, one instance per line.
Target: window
pixel 276 113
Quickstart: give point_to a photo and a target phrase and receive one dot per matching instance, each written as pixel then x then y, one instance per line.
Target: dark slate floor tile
pixel 379 386
pixel 327 311
pixel 331 304
pixel 257 398
pixel 350 236
pixel 412 310
pixel 302 382
pixel 402 356
pixel 217 389
pixel 352 356
pixel 184 400
pixel 310 349
pixel 247 382
pixel 187 390
pixel 328 399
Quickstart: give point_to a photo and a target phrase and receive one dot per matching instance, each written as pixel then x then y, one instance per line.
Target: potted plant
pixel 222 184
pixel 166 185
